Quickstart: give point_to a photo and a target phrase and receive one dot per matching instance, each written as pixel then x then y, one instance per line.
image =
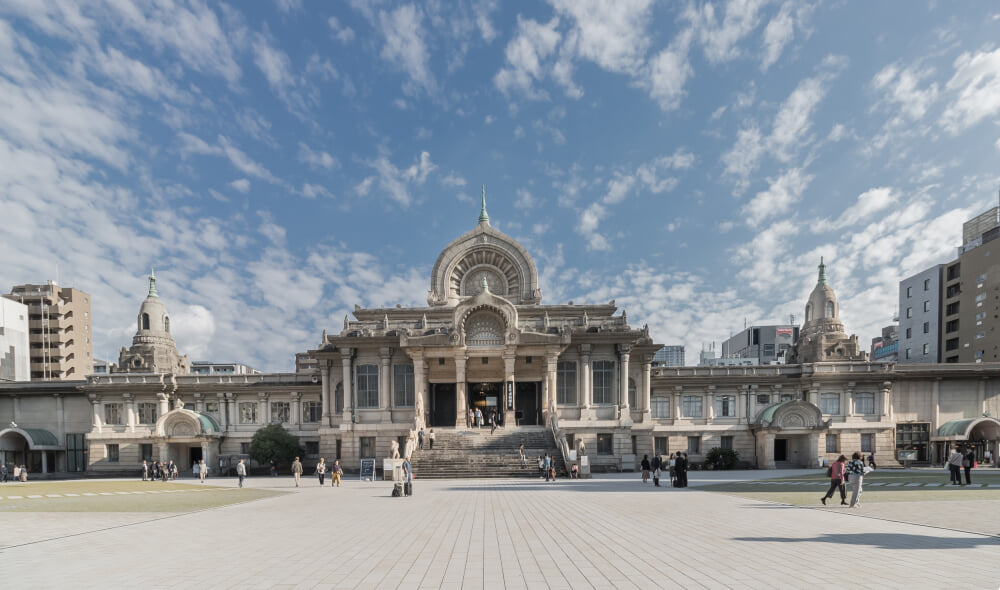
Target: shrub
pixel 274 442
pixel 722 458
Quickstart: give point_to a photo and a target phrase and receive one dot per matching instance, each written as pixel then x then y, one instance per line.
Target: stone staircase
pixel 462 453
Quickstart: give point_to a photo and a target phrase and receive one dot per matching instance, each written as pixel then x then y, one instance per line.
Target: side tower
pixel 153 349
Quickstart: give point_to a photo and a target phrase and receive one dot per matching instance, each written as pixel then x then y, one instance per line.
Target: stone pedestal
pixel 392 469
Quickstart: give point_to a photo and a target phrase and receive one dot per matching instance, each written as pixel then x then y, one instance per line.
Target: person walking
pixel 656 464
pixel 479 418
pixel 470 418
pixel 955 467
pixel 430 439
pixel 17 472
pixel 837 471
pixel 856 471
pixel 547 466
pixel 274 468
pixel 241 471
pixel 195 468
pixel 968 462
pixel 541 466
pixel 493 422
pixel 520 454
pixel 202 470
pixel 420 438
pixel 644 465
pixel 145 471
pixel 335 472
pixel 3 471
pixel 24 473
pixel 871 460
pixel 321 471
pixel 297 471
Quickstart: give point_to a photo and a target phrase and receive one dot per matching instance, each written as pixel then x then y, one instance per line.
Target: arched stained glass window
pixel 483 329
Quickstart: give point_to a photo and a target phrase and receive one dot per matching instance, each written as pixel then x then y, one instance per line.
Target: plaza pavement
pixel 610 531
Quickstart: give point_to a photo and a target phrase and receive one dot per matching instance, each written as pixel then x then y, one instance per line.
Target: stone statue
pixel 581 449
pixel 411 443
pixel 394 450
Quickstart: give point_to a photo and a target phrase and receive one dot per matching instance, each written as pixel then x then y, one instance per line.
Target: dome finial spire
pixel 822 271
pixel 152 283
pixel 483 217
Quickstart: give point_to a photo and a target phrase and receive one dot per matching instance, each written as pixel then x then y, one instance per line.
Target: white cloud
pixel 667 72
pixel 794 118
pixel 489 119
pixel 396 182
pixel 341 33
pixel 612 35
pixel 524 55
pixel 976 90
pixel 837 133
pixel 191 144
pixel 365 186
pixel 482 10
pixel 525 200
pixel 742 159
pixel 316 158
pixel 782 192
pixel 405 48
pixel 900 89
pixel 720 38
pixel 311 191
pixel 242 185
pixel 778 33
pixel 322 68
pixel 869 202
pixel 453 179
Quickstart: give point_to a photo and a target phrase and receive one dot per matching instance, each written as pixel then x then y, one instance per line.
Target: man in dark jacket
pixel 967 462
pixel 682 470
pixel 657 465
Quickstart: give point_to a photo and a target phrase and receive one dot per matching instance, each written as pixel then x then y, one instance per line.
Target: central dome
pixel 484 254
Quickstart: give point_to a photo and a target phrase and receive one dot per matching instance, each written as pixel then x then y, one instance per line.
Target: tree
pixel 722 458
pixel 274 442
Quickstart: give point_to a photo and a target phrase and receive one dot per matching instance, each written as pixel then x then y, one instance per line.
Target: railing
pixel 559 436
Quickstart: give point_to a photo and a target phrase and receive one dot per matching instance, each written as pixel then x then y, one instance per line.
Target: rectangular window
pixel 927 327
pixel 909 292
pixel 908 352
pixel 979 316
pixel 604 379
pixel 829 403
pixel 979 354
pixel 312 411
pixel 244 448
pixel 367 447
pixel 927 305
pixel 147 412
pixel 146 450
pixel 76 452
pixel 112 451
pixel 909 312
pixel 660 445
pixel 927 284
pixel 367 386
pixel 951 344
pixel 660 407
pixel 981 278
pixel 980 297
pixel 312 449
pixel 831 443
pixel 927 348
pixel 402 385
pixel 694 445
pixel 787 397
pixel 952 325
pixel 954 271
pixel 953 291
pixel 725 406
pixel 691 406
pixel 113 413
pixel 952 308
pixel 280 413
pixel 909 332
pixel 867 443
pixel 726 442
pixel 864 403
pixel 980 335
pixel 212 408
pixel 763 399
pixel 248 412
pixel 768 350
pixel 605 444
pixel 566 383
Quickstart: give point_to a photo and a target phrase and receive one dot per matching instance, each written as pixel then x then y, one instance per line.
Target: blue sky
pixel 279 162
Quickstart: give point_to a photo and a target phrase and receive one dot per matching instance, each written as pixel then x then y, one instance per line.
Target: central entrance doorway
pixel 528 402
pixel 488 397
pixel 443 407
pixel 194 454
pixel 780 449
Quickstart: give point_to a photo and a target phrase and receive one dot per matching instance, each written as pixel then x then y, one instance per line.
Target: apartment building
pixel 59 331
pixel 14 348
pixel 920 317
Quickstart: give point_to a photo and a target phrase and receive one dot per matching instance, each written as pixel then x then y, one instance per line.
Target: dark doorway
pixel 527 402
pixel 195 455
pixel 443 408
pixel 488 397
pixel 780 449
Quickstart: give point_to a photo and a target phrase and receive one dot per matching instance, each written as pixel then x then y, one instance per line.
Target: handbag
pixel 965 463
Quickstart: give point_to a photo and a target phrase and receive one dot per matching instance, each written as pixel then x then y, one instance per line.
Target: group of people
pixel 843 472
pixel 168 471
pixel 335 471
pixel 961 459
pixel 546 466
pixel 677 466
pixel 475 418
pixel 20 473
pixel 428 436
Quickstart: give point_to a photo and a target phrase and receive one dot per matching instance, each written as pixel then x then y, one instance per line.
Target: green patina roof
pixel 822 271
pixel 208 423
pixel 41 437
pixel 767 416
pixel 152 284
pixel 955 427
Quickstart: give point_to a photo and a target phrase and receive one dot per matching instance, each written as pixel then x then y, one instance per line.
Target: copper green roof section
pixel 955 427
pixel 767 416
pixel 822 271
pixel 41 437
pixel 152 284
pixel 208 423
pixel 482 212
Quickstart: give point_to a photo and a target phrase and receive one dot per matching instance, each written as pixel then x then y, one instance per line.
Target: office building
pixel 59 331
pixel 669 356
pixel 920 317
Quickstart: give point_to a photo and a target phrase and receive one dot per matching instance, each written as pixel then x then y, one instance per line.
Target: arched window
pixel 631 394
pixel 166 324
pixel 809 312
pixel 483 329
pixel 145 321
pixel 829 309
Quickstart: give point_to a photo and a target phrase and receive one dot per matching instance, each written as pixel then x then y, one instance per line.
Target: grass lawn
pixel 120 496
pixel 880 486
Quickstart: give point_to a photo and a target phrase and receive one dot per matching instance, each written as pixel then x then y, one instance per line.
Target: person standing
pixel 682 470
pixel 520 453
pixel 644 465
pixel 541 466
pixel 274 468
pixel 968 462
pixel 335 472
pixel 955 467
pixel 856 470
pixel 407 478
pixel 470 418
pixel 241 471
pixel 547 466
pixel 321 471
pixel 24 473
pixel 17 472
pixel 656 464
pixel 988 457
pixel 145 471
pixel 479 418
pixel 202 470
pixel 196 468
pixel 672 467
pixel 430 438
pixel 297 470
pixel 3 472
pixel 493 422
pixel 420 438
pixel 837 481
pixel 871 460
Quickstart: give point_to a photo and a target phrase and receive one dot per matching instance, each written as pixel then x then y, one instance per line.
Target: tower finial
pixel 822 271
pixel 482 212
pixel 152 283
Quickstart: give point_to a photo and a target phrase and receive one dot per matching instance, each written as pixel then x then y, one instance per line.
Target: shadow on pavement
pixel 885 541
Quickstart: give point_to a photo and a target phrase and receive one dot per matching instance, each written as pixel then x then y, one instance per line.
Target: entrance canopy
pixel 791 415
pixel 984 428
pixel 38 439
pixel 182 423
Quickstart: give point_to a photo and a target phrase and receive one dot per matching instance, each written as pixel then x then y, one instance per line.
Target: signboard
pixel 368 469
pixel 510 395
pixel 908 455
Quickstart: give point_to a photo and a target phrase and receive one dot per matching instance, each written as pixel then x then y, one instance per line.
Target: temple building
pixel 579 376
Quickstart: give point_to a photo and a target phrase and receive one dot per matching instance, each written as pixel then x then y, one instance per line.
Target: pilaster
pixel 462 404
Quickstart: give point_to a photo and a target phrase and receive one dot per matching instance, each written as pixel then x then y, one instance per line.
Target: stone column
pixel 45 461
pixel 461 402
pixel 936 407
pixel 345 356
pixel 981 397
pixel 710 402
pixel 209 458
pixel 384 391
pixel 647 364
pixel 586 393
pixel 814 394
pixel 295 410
pixel 623 393
pixel 849 395
pixel 765 450
pixel 164 452
pixel 129 400
pixel 95 401
pixel 263 409
pixel 420 401
pixel 324 395
pixel 199 402
pixel 813 450
pixel 551 377
pixel 887 399
pixel 163 404
pixel 223 411
pixel 60 416
pixel 676 409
